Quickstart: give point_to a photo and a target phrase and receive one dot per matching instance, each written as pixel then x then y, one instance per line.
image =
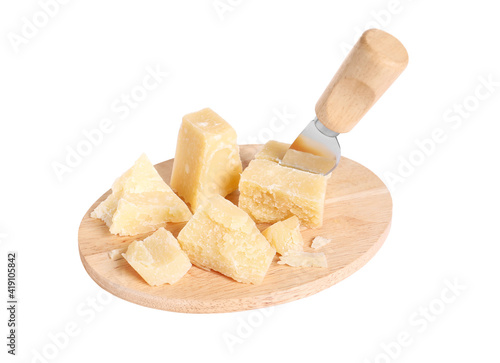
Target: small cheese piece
pixel 320 241
pixel 270 193
pixel 222 237
pixel 207 160
pixel 148 202
pixel 304 259
pixel 158 259
pixel 117 253
pixel 285 235
pixel 273 151
pixel 308 162
pixel 146 212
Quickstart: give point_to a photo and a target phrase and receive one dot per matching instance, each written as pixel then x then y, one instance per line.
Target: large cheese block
pixel 270 193
pixel 140 202
pixel 285 235
pixel 320 241
pixel 222 237
pixel 207 160
pixel 158 259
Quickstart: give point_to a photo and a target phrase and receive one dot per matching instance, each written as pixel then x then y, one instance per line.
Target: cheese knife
pixel 372 65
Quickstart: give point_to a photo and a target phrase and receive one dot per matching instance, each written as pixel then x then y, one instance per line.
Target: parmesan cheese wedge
pixel 146 212
pixel 140 202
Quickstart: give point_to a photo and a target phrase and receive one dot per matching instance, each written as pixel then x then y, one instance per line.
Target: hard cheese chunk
pixel 140 202
pixel 285 235
pixel 304 259
pixel 308 162
pixel 222 237
pixel 158 259
pixel 146 212
pixel 207 160
pixel 270 193
pixel 273 151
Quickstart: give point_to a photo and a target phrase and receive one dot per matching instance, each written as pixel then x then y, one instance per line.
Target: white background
pixel 254 59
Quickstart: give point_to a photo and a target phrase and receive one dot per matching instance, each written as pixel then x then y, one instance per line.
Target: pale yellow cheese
pixel 273 151
pixel 141 177
pixel 140 202
pixel 270 193
pixel 308 162
pixel 222 237
pixel 320 241
pixel 116 254
pixel 207 160
pixel 304 259
pixel 146 212
pixel 158 259
pixel 285 235
pixel 106 209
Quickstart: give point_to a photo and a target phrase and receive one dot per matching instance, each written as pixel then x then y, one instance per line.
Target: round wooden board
pixel 357 217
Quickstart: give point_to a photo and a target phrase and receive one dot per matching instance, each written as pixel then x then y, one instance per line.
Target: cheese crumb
pixel 116 254
pixel 303 259
pixel 320 241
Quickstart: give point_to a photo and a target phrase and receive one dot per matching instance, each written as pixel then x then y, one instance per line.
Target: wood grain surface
pixel 373 64
pixel 358 210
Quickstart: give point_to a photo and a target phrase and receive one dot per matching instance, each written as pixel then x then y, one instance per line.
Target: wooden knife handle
pixel 374 63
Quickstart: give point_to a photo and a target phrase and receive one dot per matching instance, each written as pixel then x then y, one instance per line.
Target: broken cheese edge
pixel 304 259
pixel 270 193
pixel 285 235
pixel 223 238
pixel 158 258
pixel 207 160
pixel 275 151
pixel 146 212
pixel 140 202
pixel 320 241
pixel 141 177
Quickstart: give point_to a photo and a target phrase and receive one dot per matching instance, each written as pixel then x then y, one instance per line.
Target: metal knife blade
pixel 315 150
pixel 373 64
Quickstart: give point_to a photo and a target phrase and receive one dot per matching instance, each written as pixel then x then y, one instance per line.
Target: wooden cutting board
pixel 357 217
